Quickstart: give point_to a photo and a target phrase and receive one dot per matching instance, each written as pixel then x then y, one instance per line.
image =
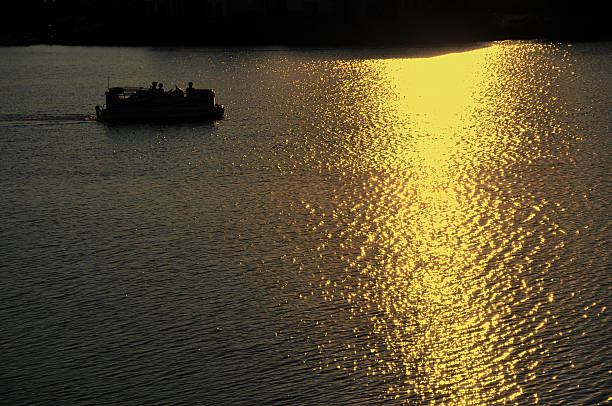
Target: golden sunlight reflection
pixel 439 237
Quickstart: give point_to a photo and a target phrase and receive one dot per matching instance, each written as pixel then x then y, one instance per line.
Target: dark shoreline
pixel 20 40
pixel 422 30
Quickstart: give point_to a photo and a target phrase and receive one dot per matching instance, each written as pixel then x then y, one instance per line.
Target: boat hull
pixel 159 113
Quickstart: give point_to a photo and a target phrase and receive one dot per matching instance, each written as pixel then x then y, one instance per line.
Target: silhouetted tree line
pixel 341 22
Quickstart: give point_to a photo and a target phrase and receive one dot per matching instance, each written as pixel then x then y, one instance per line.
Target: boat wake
pixel 17 119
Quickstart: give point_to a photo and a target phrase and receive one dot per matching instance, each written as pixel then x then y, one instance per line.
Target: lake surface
pixel 363 227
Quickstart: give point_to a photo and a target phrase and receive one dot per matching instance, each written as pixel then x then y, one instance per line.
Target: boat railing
pixel 125 92
pixel 118 94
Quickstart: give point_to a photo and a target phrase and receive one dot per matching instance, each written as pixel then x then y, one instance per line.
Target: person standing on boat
pixel 178 92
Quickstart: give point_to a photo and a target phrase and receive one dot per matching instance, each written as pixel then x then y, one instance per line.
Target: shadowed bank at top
pixel 297 22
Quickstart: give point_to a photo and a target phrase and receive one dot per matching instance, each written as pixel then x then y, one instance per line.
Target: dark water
pixel 365 226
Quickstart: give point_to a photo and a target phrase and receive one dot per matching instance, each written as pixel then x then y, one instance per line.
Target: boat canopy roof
pixel 135 89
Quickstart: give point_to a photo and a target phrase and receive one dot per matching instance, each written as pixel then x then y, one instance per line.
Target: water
pixel 365 226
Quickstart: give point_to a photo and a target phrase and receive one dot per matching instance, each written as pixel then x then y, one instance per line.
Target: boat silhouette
pixel 156 104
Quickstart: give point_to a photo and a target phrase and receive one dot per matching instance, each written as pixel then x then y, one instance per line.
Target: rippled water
pixel 365 226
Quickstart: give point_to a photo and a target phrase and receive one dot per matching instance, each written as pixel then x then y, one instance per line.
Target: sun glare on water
pixel 437 234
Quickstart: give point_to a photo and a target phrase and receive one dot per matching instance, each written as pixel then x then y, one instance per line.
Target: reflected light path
pixel 437 220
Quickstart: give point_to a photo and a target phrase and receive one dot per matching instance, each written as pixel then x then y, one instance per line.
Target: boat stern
pixel 99 113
